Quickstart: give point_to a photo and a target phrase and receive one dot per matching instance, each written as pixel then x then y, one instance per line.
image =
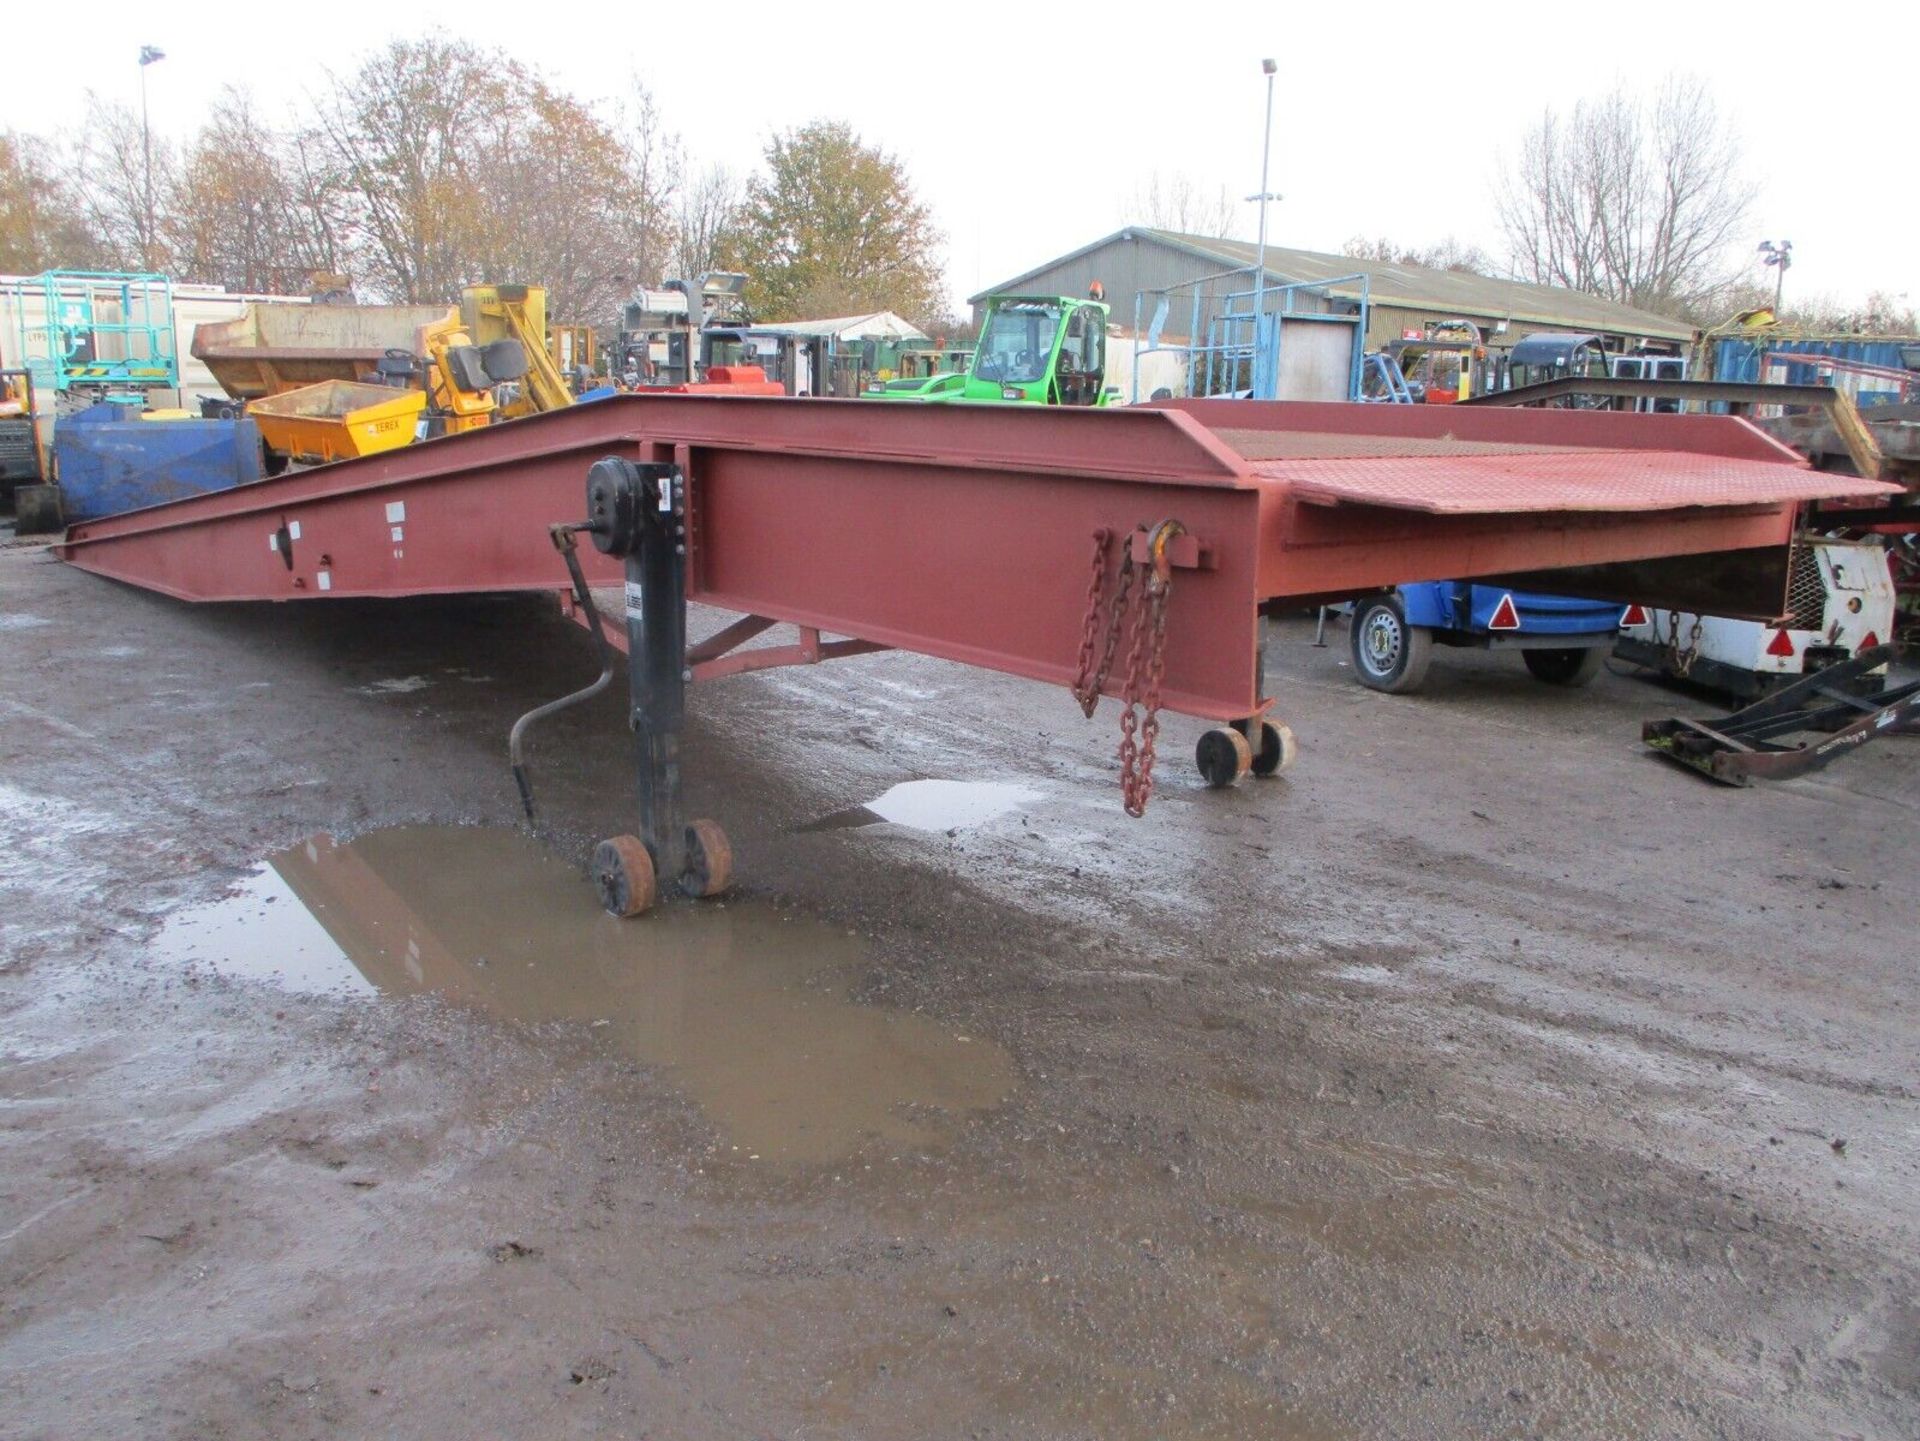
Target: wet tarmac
pixel 743 1007
pixel 946 806
pixel 1480 1078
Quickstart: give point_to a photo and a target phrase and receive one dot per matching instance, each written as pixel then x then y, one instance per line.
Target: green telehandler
pixel 1033 350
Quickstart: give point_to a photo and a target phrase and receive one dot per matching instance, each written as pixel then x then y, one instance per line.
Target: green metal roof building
pixel 1403 298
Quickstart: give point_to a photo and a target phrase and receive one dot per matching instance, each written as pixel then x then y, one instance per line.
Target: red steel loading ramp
pixel 972 533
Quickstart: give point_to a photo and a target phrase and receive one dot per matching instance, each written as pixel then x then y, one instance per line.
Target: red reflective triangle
pixel 1869 641
pixel 1633 615
pixel 1506 615
pixel 1781 644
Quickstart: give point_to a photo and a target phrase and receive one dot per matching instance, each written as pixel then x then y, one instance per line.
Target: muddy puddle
pixel 932 805
pixel 744 1007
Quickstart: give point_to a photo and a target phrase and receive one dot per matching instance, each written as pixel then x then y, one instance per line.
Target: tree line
pixel 438 164
pixel 1640 197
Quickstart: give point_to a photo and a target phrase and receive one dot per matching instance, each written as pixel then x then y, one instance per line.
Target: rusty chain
pixel 1090 680
pixel 1682 659
pixel 1143 616
pixel 1083 691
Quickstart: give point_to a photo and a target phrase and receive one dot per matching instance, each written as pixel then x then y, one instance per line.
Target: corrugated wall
pixel 1133 264
pixel 1744 358
pixel 1129 266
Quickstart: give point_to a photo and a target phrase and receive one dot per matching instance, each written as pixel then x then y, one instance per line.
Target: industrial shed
pixel 1141 262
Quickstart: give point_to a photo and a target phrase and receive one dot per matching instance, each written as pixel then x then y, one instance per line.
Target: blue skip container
pixel 107 460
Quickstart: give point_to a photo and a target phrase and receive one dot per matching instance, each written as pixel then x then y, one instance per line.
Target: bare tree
pixel 656 165
pixel 245 209
pixel 1177 203
pixel 562 207
pixel 709 211
pixel 41 222
pixel 410 133
pixel 110 170
pixel 1637 200
pixel 462 165
pixel 1449 253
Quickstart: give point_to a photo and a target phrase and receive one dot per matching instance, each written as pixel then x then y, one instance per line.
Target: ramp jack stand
pixel 638 513
pixel 1253 746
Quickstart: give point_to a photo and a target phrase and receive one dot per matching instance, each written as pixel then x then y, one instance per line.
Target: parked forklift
pixel 19 440
pixel 660 330
pixel 1447 363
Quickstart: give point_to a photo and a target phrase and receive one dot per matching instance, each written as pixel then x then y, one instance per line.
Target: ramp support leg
pixel 656 606
pixel 637 511
pixel 1252 745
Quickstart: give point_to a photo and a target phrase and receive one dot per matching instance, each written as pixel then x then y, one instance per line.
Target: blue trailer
pixel 1563 641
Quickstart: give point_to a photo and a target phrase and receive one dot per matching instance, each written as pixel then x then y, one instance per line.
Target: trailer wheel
pixel 1278 749
pixel 623 870
pixel 1572 667
pixel 1388 654
pixel 1223 756
pixel 709 860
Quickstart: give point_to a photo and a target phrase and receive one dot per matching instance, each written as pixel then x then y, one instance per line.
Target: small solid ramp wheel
pixel 709 860
pixel 624 872
pixel 1278 749
pixel 1223 756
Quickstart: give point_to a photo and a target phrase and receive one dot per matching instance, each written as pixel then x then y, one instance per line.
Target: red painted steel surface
pixel 1587 429
pixel 965 531
pixel 1554 480
pixel 957 532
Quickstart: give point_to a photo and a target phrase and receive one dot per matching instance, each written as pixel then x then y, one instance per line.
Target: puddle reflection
pixel 746 1007
pixel 932 806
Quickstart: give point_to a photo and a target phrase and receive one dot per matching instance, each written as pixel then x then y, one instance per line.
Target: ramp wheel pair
pixel 1224 754
pixel 623 869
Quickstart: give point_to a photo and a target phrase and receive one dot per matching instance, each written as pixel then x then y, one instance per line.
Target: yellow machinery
pixel 573 348
pixel 461 374
pixel 447 383
pixel 496 313
pixel 337 420
pixel 22 444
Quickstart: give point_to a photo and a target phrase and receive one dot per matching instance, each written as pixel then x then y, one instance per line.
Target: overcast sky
pixel 1029 131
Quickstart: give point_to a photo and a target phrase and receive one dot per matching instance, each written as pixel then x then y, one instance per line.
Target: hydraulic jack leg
pixel 638 512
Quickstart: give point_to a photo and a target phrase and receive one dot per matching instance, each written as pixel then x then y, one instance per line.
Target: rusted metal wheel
pixel 1223 756
pixel 624 872
pixel 1278 749
pixel 709 860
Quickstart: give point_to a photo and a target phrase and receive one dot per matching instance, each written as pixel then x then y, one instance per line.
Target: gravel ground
pixel 1483 1076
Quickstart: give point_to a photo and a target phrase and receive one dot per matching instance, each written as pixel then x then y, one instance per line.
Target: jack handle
pixel 563 541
